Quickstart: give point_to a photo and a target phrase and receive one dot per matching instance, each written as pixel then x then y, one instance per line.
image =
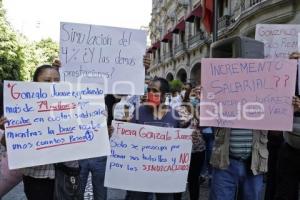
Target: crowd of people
pixel 237 163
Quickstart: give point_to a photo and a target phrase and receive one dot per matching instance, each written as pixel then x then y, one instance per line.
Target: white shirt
pixel 119 109
pixel 175 101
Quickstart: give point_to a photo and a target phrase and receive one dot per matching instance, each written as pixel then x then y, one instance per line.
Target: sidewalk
pixel 113 194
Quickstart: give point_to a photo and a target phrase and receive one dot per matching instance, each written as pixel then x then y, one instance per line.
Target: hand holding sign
pixel 248 93
pixel 54 122
pixel 2 121
pixel 149 158
pixel 103 54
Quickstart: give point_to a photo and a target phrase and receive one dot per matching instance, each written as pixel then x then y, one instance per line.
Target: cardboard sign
pixel 248 93
pixel 280 39
pixel 148 158
pixel 54 122
pixel 101 54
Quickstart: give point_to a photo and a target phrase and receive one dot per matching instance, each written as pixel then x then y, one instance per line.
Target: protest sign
pixel 280 39
pixel 148 158
pixel 101 54
pixel 54 122
pixel 248 93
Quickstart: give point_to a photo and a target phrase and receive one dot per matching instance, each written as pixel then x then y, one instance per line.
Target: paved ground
pixel 113 194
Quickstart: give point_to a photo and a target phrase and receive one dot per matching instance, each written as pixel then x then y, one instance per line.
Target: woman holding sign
pixel 190 119
pixel 48 182
pixel 155 112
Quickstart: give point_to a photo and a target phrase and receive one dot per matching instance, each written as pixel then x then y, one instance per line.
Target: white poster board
pixel 148 158
pixel 101 54
pixel 280 39
pixel 248 93
pixel 54 122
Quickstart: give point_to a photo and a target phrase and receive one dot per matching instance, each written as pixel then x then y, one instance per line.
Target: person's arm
pixel 3 120
pixel 295 55
pixel 296 100
pixel 296 104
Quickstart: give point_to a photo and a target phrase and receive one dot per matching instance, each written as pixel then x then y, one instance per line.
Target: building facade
pixel 179 39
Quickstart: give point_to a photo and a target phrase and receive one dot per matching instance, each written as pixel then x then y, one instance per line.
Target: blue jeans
pixel 97 167
pixel 209 141
pixel 225 183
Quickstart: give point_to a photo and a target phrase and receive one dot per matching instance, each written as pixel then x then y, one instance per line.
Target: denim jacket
pixel 259 160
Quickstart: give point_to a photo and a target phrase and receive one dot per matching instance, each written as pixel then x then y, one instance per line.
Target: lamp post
pixel 215 20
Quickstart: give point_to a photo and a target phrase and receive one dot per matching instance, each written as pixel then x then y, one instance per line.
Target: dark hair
pixel 164 85
pixel 186 97
pixel 40 70
pixel 189 84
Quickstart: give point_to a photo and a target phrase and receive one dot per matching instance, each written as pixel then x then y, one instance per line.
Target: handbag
pixel 67 183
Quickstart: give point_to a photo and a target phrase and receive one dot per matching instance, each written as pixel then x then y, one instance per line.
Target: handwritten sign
pixel 248 93
pixel 101 54
pixel 148 158
pixel 54 122
pixel 280 39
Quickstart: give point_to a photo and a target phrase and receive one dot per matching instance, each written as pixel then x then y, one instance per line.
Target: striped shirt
pixel 42 171
pixel 241 143
pixel 46 171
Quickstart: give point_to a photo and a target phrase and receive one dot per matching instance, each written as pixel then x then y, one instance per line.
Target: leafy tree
pixel 175 85
pixel 18 56
pixel 47 50
pixel 11 55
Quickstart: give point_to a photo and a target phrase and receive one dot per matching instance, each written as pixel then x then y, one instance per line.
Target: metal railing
pixel 179 48
pixel 196 39
pixel 157 61
pixel 246 4
pixel 168 55
pixel 223 22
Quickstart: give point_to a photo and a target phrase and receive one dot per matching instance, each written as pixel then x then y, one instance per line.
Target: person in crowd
pixel 190 119
pixel 95 166
pixel 176 99
pixel 288 166
pixel 39 180
pixel 275 141
pixel 124 109
pixel 155 113
pixel 56 63
pixel 186 89
pixel 239 160
pixel 59 181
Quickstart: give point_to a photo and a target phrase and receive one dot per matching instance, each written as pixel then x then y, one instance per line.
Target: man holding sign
pixel 241 96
